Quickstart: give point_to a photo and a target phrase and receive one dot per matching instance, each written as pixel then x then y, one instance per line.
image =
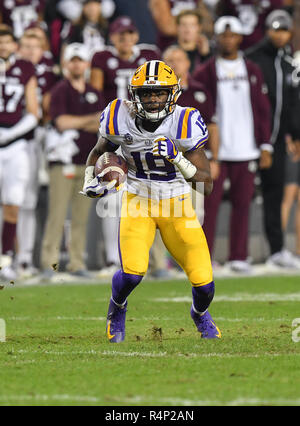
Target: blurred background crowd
pixel 239 64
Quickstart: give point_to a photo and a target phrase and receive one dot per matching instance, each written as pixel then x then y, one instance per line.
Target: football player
pixel 112 70
pixel 19 112
pixel 162 144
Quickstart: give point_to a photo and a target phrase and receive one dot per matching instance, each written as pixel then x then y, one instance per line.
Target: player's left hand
pixel 167 148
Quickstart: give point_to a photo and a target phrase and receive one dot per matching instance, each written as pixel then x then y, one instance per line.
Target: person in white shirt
pixel 243 114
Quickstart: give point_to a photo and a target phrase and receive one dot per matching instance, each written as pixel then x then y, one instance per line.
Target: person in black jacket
pixel 273 56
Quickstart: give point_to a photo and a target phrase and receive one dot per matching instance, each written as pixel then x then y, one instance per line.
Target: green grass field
pixel 56 351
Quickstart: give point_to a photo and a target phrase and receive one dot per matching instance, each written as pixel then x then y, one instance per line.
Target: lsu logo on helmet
pixel 155 75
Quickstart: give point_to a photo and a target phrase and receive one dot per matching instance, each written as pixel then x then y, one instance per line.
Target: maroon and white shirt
pixel 65 100
pixel 19 14
pixel 252 15
pixel 256 91
pixel 117 72
pixel 12 91
pixel 45 73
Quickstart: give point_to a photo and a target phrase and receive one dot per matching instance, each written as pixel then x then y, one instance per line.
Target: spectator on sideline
pixel 40 29
pixel 112 69
pixel 191 38
pixel 273 56
pixel 31 49
pixel 19 115
pixel 19 14
pixel 47 72
pixel 91 27
pixel 60 15
pixel 252 14
pixel 244 118
pixel 74 109
pixel 291 194
pixel 72 9
pixel 140 14
pixel 164 13
pixel 195 95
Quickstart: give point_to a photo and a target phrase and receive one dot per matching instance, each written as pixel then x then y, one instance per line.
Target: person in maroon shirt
pixel 75 109
pixel 113 67
pixel 31 49
pixel 252 15
pixel 19 14
pixel 191 38
pixel 243 111
pixel 19 112
pixel 164 13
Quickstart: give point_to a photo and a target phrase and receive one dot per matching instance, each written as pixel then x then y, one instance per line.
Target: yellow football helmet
pixel 154 75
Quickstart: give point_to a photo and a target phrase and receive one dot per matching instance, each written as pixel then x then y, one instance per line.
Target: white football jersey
pixel 149 175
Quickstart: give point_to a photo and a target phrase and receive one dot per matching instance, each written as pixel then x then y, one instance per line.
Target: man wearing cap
pixel 113 67
pixel 244 118
pixel 273 57
pixel 252 14
pixel 74 110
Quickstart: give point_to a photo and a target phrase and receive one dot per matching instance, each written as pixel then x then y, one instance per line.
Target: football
pixel 112 166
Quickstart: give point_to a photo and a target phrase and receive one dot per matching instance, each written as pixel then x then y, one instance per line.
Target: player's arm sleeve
pixel 192 132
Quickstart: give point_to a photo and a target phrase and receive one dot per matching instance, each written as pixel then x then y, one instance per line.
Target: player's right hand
pixel 98 189
pixel 94 187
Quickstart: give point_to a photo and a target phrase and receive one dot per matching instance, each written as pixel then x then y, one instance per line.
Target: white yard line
pixel 103 319
pixel 171 401
pixel 238 297
pixel 135 354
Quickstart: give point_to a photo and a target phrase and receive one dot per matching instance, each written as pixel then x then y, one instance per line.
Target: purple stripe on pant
pixel 241 193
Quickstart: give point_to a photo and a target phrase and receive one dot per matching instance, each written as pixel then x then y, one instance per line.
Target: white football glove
pixel 94 187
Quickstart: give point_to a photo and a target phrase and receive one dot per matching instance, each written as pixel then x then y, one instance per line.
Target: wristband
pixel 89 175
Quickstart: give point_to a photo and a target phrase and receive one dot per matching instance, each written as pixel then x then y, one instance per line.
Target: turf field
pixel 57 354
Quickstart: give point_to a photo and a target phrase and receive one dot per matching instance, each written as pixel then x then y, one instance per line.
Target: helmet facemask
pixel 165 108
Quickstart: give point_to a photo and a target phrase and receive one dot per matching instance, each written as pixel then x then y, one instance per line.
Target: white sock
pixel 26 230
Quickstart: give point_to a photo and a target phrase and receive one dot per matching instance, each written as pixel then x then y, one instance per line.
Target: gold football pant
pixel 180 230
